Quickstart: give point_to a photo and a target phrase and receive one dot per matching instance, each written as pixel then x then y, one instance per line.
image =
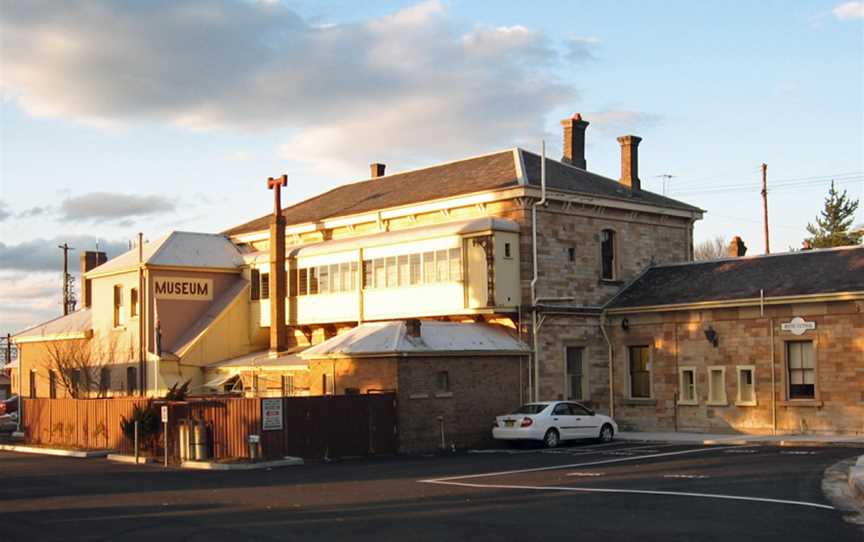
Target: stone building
pixel 765 344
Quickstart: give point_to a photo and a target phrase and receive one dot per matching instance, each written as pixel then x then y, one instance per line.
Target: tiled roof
pixel 794 273
pixel 489 172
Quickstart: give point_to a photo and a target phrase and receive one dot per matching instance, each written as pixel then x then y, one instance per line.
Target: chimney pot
pixel 90 259
pixel 737 248
pixel 412 327
pixel 376 170
pixel 630 162
pixel 574 141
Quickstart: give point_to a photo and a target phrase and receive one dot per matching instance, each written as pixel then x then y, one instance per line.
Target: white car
pixel 552 422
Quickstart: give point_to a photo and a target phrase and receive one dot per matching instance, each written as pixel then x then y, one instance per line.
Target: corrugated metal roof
pixel 389 338
pixel 179 249
pixel 262 359
pixel 77 322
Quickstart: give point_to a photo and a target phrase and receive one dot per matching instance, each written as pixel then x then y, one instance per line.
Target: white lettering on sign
pixel 271 414
pixel 798 326
pixel 186 288
pixel 164 410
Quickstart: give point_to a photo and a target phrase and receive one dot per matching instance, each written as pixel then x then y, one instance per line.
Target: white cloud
pixel 415 82
pixel 849 10
pixel 96 206
pixel 621 121
pixel 43 255
pixel 28 299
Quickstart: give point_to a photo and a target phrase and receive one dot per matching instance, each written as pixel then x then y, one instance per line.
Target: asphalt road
pixel 611 492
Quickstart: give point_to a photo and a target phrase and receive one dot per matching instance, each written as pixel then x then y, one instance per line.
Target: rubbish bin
pixel 200 439
pixel 183 435
pixel 254 447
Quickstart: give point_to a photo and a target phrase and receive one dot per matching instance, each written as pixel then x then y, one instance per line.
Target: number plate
pixel 509 423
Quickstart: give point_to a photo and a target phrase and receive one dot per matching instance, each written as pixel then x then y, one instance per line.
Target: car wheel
pixel 551 439
pixel 606 433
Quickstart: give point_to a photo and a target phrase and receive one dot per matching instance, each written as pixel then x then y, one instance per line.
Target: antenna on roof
pixel 666 177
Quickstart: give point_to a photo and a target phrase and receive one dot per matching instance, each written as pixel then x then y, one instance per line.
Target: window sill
pixel 688 403
pixel 746 403
pixel 443 394
pixel 419 396
pixel 611 282
pixel 807 403
pixel 639 401
pixel 717 403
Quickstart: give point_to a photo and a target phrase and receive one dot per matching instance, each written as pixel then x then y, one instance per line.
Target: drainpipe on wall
pixel 773 382
pixel 142 364
pixel 611 371
pixel 534 327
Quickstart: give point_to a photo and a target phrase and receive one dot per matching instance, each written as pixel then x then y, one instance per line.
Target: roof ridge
pixel 759 256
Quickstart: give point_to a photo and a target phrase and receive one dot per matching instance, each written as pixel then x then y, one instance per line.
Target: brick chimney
pixel 376 170
pixel 630 162
pixel 278 281
pixel 737 248
pixel 574 141
pixel 412 327
pixel 90 259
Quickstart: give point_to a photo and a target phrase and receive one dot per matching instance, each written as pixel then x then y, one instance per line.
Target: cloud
pixel 113 206
pixel 4 211
pixel 580 49
pixel 619 122
pixel 414 82
pixel 43 254
pixel 849 11
pixel 27 299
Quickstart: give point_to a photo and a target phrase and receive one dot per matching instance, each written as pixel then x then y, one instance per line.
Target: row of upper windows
pixel 431 267
pixel 800 377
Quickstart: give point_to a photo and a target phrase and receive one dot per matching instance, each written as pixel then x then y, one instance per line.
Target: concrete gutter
pixel 123 458
pixel 55 451
pixel 210 465
pixel 856 479
pixel 737 439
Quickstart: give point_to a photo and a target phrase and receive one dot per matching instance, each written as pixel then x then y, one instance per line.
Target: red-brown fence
pixel 312 427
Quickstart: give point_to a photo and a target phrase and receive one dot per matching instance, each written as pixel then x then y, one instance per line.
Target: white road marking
pixel 635 491
pixel 740 451
pixel 687 476
pixel 797 452
pixel 586 474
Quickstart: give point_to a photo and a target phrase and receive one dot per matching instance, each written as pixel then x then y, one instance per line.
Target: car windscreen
pixel 531 409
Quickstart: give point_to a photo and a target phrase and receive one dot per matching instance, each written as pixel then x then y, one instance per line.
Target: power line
pixel 779 186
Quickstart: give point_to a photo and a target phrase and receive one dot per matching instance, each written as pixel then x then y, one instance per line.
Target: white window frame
pixel 723 400
pixel 738 370
pixel 681 400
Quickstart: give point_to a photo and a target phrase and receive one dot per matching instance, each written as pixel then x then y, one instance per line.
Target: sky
pixel 124 117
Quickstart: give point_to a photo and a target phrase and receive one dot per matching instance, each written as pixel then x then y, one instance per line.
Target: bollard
pixel 136 442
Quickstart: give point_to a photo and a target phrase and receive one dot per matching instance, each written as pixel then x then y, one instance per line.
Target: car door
pixel 563 419
pixel 585 422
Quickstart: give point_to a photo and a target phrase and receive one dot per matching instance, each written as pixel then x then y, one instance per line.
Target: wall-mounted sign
pixel 797 326
pixel 271 414
pixel 185 288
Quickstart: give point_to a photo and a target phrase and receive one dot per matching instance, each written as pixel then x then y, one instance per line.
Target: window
pixel 313 280
pixel 717 385
pixel 428 267
pixel 507 253
pixel 571 254
pixel 367 274
pixel 327 384
pixel 352 281
pixel 265 285
pixel 323 279
pixel 441 267
pixel 255 284
pixel 746 385
pixel 104 381
pixel 404 270
pixel 392 272
pixel 303 282
pixel 455 264
pixel 575 377
pixel 119 316
pixel 32 383
pixel 442 382
pixel 415 270
pixel 133 302
pixel 131 380
pixel 579 410
pixel 52 384
pixel 562 409
pixel 287 385
pixel 640 373
pixel 607 255
pixel 346 276
pixel 380 278
pixel 802 370
pixel 687 386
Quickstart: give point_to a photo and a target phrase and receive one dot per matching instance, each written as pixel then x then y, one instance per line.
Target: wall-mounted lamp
pixel 711 335
pixel 625 324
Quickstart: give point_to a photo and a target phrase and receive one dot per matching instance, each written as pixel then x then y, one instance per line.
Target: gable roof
pixel 503 169
pixel 809 272
pixel 179 249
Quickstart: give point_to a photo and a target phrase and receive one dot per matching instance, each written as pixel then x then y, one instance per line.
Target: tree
pixel 77 364
pixel 711 249
pixel 833 223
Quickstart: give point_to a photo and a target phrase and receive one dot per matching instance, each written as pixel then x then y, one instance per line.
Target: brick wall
pixel 744 338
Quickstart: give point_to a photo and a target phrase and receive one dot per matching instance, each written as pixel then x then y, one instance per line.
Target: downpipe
pixel 535 329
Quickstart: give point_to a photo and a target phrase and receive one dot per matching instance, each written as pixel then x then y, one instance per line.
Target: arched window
pixel 607 255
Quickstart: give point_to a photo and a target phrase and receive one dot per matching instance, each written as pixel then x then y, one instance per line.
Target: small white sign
pixel 271 414
pixel 164 414
pixel 798 326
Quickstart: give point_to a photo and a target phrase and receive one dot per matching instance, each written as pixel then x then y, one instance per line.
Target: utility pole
pixel 666 177
pixel 8 348
pixel 765 206
pixel 68 295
